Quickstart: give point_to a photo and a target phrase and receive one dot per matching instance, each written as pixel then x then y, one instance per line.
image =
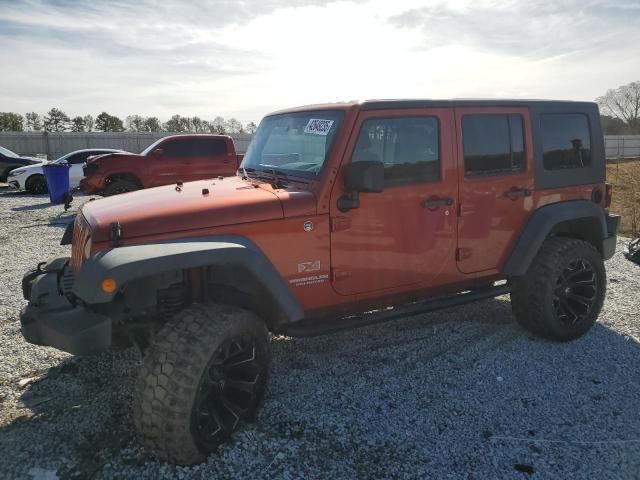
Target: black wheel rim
pixel 228 392
pixel 575 292
pixel 39 185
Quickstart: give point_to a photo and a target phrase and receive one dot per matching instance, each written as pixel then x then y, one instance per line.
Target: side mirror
pixel 366 177
pixel 157 152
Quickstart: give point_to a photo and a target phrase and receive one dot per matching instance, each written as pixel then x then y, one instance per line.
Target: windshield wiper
pixel 246 171
pixel 277 175
pixel 270 175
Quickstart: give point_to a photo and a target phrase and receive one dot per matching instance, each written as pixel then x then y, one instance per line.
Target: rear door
pixel 496 183
pixel 405 235
pixel 211 159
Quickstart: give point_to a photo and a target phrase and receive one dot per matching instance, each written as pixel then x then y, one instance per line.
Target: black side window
pixel 493 144
pixel 566 141
pixel 209 146
pixel 78 158
pixel 408 147
pixel 178 149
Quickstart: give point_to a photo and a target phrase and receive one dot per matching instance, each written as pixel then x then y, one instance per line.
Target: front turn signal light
pixel 109 285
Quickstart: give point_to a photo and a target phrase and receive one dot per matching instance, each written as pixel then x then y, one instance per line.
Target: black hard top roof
pixel 467 102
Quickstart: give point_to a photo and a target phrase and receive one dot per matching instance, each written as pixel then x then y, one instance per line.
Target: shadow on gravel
pixel 5 192
pixel 26 208
pixel 462 392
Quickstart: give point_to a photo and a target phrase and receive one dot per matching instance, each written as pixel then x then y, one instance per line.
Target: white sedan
pixel 31 178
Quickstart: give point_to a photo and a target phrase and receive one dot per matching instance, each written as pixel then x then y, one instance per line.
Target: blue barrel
pixel 57 176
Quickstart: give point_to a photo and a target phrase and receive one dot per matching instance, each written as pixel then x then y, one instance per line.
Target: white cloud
pixel 245 59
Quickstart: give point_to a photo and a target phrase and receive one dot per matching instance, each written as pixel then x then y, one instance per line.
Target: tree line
pixel 620 108
pixel 55 120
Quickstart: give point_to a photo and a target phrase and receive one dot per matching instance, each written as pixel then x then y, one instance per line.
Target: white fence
pixel 55 144
pixel 622 146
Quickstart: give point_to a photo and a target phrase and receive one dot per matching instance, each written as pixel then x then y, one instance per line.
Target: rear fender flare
pixel 543 222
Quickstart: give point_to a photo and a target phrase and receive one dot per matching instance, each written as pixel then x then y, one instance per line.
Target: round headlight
pixel 18 171
pixel 87 248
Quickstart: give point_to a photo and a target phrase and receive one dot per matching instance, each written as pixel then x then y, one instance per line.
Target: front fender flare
pixel 127 263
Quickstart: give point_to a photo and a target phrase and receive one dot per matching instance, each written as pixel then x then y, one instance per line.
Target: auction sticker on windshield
pixel 318 126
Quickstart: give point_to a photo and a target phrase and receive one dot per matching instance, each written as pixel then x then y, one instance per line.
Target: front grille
pixel 81 233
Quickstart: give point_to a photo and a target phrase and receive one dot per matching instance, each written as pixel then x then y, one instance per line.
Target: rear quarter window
pixel 566 141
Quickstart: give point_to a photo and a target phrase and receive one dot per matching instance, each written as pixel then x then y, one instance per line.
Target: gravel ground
pixel 462 393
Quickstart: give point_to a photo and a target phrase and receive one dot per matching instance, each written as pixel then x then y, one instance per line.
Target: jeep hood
pixel 163 210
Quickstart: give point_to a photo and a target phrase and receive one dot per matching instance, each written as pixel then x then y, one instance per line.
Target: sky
pixel 243 59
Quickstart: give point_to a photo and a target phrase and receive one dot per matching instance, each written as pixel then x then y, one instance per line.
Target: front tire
pixel 117 187
pixel 561 295
pixel 203 375
pixel 36 184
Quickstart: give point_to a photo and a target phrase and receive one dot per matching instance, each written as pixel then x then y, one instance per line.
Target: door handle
pixel 435 202
pixel 516 193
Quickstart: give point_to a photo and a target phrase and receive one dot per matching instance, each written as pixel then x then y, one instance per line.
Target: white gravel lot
pixel 463 393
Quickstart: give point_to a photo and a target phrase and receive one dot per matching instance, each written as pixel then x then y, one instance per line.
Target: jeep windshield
pixel 293 144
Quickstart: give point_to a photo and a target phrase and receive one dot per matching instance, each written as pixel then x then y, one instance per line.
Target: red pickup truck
pixel 171 159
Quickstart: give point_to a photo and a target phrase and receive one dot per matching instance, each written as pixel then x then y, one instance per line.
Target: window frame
pixel 542 150
pixel 496 173
pixel 400 182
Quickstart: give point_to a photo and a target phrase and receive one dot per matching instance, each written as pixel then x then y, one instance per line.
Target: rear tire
pixel 561 295
pixel 36 184
pixel 203 375
pixel 117 187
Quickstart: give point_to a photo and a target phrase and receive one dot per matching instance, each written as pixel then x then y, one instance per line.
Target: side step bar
pixel 310 328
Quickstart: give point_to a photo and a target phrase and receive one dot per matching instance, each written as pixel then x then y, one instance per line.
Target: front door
pixel 496 183
pixel 171 162
pixel 404 235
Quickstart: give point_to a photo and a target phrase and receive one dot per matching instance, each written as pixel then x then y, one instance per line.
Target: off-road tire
pixel 36 184
pixel 172 379
pixel 120 186
pixel 535 299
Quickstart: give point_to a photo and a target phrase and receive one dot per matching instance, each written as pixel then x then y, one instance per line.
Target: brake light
pixel 608 195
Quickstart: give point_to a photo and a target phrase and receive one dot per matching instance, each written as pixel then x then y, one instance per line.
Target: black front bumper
pixel 51 319
pixel 609 243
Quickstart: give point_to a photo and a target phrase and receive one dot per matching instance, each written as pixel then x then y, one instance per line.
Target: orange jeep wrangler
pixel 340 215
